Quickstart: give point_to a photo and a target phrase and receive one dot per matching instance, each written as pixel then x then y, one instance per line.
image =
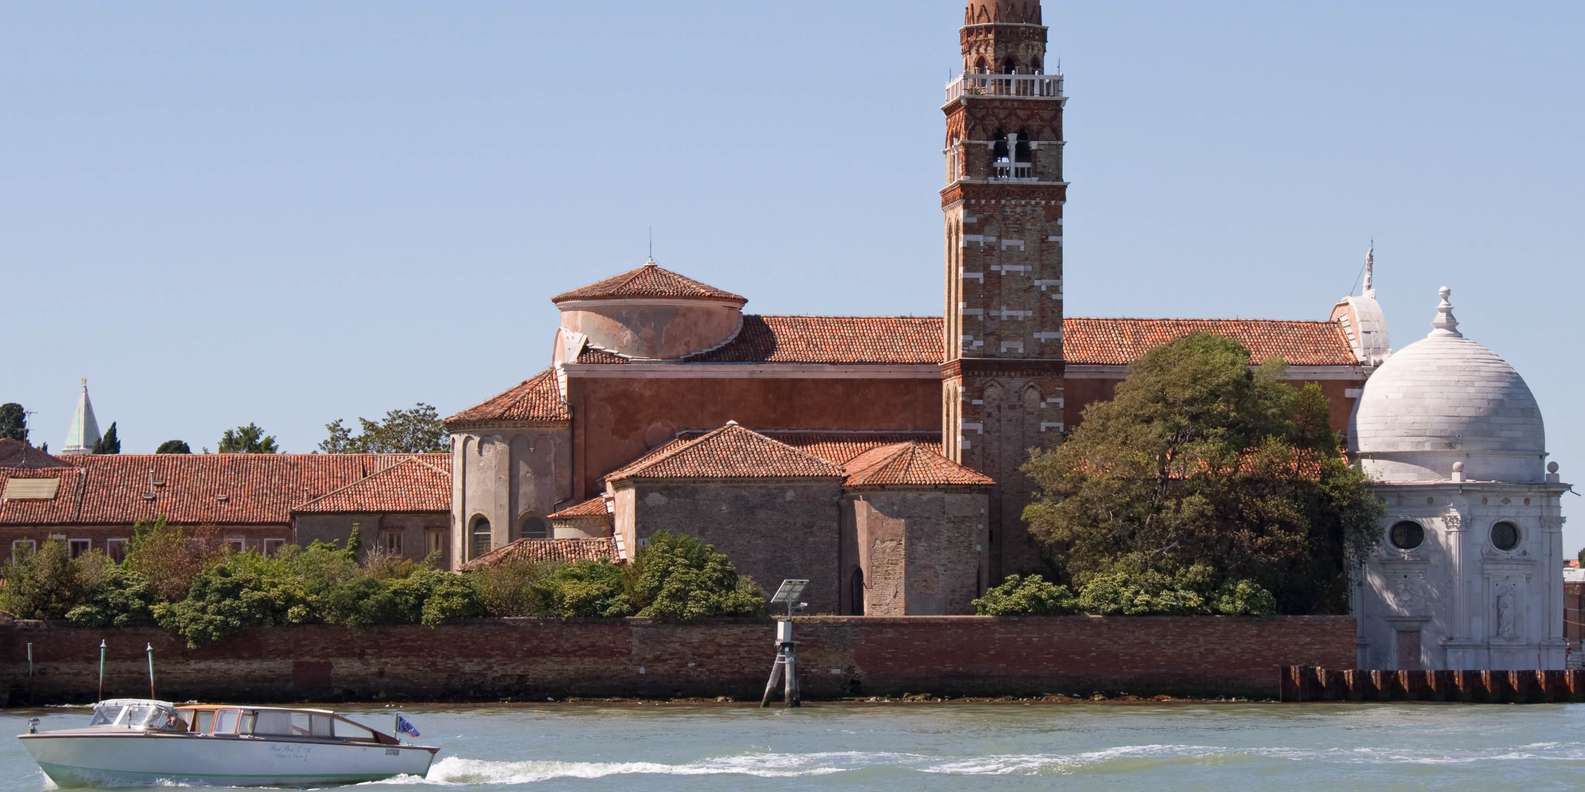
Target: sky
pixel 293 212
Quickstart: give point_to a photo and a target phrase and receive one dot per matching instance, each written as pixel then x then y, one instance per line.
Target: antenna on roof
pixel 651 244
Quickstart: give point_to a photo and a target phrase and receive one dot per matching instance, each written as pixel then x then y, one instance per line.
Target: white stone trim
pixel 1011 268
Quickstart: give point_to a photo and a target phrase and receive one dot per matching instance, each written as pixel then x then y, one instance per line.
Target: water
pixel 931 747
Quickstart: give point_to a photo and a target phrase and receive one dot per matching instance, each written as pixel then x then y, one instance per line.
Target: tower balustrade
pixel 1032 86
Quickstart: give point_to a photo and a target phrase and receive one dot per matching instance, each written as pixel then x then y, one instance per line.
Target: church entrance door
pixel 1408 650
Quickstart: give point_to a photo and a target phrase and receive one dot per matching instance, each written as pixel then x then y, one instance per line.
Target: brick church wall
pixel 772 530
pixel 621 419
pixel 922 551
pixel 535 659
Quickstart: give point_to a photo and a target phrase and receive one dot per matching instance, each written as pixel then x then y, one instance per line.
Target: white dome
pixel 1448 400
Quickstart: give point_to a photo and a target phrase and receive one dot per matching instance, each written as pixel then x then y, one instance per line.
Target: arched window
pixel 980 66
pixel 1022 152
pixel 482 539
pixel 533 527
pixel 857 605
pixel 1009 66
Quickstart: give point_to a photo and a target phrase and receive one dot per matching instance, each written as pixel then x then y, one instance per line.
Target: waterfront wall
pixel 536 659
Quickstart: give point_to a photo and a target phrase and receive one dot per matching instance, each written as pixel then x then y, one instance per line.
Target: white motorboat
pixel 140 742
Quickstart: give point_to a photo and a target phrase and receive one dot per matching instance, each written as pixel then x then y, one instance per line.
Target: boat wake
pixel 460 771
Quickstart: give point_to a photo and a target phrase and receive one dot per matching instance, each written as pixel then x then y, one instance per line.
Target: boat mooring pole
pixel 150 650
pixel 102 647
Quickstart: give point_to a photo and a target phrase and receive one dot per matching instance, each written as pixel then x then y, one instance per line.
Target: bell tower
pixel 1002 377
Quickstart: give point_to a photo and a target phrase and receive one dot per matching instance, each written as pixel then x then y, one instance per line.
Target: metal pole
pixel 30 672
pixel 150 649
pixel 102 647
pixel 775 677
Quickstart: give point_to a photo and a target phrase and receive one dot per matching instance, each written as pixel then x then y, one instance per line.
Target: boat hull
pixel 141 759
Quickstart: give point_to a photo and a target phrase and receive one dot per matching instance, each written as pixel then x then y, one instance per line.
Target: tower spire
pixel 83 434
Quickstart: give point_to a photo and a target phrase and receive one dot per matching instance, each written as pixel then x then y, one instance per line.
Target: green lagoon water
pixel 907 748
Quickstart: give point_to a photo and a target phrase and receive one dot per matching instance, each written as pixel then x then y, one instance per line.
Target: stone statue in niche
pixel 1507 611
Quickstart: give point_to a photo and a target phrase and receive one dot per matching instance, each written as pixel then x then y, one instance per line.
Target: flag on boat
pixel 406 726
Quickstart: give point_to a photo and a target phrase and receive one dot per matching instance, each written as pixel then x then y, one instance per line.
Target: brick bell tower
pixel 1002 377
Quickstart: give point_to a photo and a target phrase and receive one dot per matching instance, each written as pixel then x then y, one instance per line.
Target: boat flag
pixel 406 726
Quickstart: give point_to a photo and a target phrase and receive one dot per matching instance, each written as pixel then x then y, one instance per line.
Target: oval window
pixel 1505 536
pixel 1407 535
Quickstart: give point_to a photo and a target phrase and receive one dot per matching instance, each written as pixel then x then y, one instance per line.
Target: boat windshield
pixel 142 715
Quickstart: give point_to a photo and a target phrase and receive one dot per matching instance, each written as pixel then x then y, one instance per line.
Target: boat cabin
pixel 276 723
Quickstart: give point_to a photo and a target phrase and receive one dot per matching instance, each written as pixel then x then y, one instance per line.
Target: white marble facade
pixel 1467 574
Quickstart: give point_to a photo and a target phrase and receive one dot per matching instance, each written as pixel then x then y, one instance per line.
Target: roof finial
pixel 1446 323
pixel 1370 271
pixel 651 260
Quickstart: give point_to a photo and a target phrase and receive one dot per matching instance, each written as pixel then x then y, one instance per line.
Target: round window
pixel 1407 535
pixel 1505 536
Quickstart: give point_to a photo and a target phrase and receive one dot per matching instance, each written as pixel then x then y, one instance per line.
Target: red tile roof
pixel 592 508
pixel 880 340
pixel 729 452
pixel 648 281
pixel 548 551
pixel 838 447
pixel 17 454
pixel 193 489
pixel 910 465
pixel 1122 342
pixel 832 340
pixel 537 401
pixel 414 485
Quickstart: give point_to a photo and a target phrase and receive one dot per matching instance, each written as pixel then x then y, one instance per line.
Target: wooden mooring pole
pixel 784 670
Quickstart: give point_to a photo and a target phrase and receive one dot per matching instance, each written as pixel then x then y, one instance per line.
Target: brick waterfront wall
pixel 530 659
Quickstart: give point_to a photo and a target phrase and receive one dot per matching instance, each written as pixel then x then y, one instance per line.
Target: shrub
pixel 515 588
pixel 589 590
pixel 113 596
pixel 1245 598
pixel 1132 591
pixel 169 558
pixel 42 584
pixel 680 578
pixel 446 597
pixel 237 592
pixel 1026 596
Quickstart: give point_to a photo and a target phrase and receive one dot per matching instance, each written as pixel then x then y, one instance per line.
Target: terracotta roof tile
pixel 729 452
pixel 17 454
pixel 910 465
pixel 837 447
pixel 592 508
pixel 194 489
pixel 548 551
pixel 648 281
pixel 535 401
pixel 832 340
pixel 861 340
pixel 418 484
pixel 1122 342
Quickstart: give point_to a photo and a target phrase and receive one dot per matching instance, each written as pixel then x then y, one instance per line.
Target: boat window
pixel 247 723
pixel 273 722
pixel 226 722
pixel 105 714
pixel 136 716
pixel 203 720
pixel 347 730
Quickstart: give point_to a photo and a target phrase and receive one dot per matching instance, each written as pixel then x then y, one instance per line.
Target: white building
pixel 1468 571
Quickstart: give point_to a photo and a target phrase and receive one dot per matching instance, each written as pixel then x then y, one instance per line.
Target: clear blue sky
pixel 290 212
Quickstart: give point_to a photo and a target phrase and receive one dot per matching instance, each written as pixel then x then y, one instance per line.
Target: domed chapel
pixel 879 456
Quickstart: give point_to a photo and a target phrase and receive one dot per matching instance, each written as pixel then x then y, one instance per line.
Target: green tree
pixel 679 578
pixel 414 431
pixel 42 584
pixel 110 443
pixel 248 439
pixel 113 596
pixel 1201 460
pixel 169 558
pixel 174 447
pixel 599 590
pixel 13 422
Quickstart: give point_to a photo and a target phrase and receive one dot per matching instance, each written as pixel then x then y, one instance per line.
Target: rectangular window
pixel 80 546
pixel 116 549
pixel 226 722
pixel 203 720
pixel 236 544
pixel 273 546
pixel 22 547
pixel 392 542
pixel 436 542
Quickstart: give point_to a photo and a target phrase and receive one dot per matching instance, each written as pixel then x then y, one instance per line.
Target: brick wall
pixel 535 659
